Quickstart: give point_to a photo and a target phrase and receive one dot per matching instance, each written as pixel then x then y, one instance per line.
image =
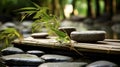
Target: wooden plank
pixel 107 46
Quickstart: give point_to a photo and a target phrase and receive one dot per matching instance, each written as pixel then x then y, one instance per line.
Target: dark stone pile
pixel 15 57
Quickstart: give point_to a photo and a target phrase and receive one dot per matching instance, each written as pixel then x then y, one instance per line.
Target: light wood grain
pixel 109 46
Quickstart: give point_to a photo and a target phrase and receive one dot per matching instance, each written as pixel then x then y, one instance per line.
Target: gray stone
pixel 26 35
pixel 26 31
pixel 26 24
pixel 39 35
pixel 22 60
pixel 10 25
pixel 64 64
pixel 89 21
pixel 103 18
pixel 56 58
pixel 102 64
pixel 11 50
pixel 116 18
pixel 67 30
pixel 36 52
pixel 76 18
pixel 22 66
pixel 88 36
pixel 116 28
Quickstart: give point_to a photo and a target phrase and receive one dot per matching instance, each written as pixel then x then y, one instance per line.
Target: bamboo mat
pixel 108 46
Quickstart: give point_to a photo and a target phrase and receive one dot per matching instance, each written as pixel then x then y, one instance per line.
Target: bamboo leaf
pixel 8 34
pixel 28 12
pixel 36 5
pixel 59 33
pixel 37 15
pixel 23 17
pixel 26 8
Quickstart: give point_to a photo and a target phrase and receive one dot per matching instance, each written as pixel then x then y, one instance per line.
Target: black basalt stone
pixel 39 35
pixel 22 60
pixel 64 64
pixel 36 52
pixel 67 30
pixel 102 64
pixel 88 36
pixel 56 58
pixel 11 50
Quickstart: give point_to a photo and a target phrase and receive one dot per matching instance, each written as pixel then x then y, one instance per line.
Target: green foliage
pixel 42 18
pixel 7 35
pixel 63 38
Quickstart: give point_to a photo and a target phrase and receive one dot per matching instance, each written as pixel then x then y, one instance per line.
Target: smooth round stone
pixel 56 58
pixel 89 21
pixel 27 24
pixel 22 66
pixel 116 18
pixel 39 35
pixel 10 24
pixel 102 64
pixel 64 64
pixel 88 36
pixel 26 31
pixel 22 60
pixel 116 28
pixel 67 30
pixel 11 50
pixel 36 52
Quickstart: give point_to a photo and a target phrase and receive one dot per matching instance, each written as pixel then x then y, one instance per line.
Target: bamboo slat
pixel 109 46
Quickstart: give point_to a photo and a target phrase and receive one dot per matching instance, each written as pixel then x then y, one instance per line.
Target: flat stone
pixel 27 24
pixel 102 64
pixel 10 24
pixel 88 36
pixel 22 60
pixel 89 21
pixel 11 50
pixel 67 30
pixel 26 31
pixel 116 28
pixel 36 52
pixel 116 18
pixel 39 35
pixel 22 66
pixel 64 64
pixel 56 58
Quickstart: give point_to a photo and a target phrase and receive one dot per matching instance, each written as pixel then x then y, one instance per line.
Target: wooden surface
pixel 109 46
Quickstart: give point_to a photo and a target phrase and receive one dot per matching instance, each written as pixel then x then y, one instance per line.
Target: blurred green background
pixel 84 8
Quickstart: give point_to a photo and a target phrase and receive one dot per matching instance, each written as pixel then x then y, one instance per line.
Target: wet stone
pixel 116 18
pixel 26 31
pixel 88 36
pixel 64 64
pixel 116 28
pixel 39 35
pixel 10 25
pixel 22 60
pixel 11 50
pixel 102 64
pixel 67 30
pixel 26 24
pixel 36 52
pixel 89 21
pixel 56 58
pixel 22 66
